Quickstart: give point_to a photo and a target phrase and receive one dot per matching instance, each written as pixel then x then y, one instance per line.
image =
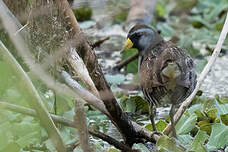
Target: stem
pixel 33 96
pixel 125 62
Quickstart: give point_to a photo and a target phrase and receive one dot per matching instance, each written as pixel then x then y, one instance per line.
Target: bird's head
pixel 141 37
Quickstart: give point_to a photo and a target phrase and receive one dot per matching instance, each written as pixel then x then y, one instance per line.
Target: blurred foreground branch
pixel 80 123
pixel 32 94
pixel 65 122
pixel 202 76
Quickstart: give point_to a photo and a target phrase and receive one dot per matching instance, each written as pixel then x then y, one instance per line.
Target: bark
pixel 118 117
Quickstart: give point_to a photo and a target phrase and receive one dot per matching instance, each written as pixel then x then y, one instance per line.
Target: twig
pixel 83 93
pixel 31 112
pixel 65 122
pixel 203 75
pixel 99 42
pixel 125 62
pixel 80 123
pixel 110 140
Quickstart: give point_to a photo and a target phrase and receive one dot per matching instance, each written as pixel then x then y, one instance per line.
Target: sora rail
pixel 165 70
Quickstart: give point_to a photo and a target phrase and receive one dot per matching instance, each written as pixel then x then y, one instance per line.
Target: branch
pixel 125 62
pixel 32 94
pixel 79 67
pixel 83 93
pixel 110 140
pixel 99 42
pixel 65 122
pixel 80 123
pixel 118 117
pixel 31 112
pixel 202 76
pixel 140 132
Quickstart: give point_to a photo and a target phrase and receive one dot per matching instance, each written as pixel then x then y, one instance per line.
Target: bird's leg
pixel 152 111
pixel 171 114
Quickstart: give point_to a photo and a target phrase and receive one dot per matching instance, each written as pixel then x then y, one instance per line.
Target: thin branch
pixel 80 123
pixel 65 122
pixel 35 101
pixel 83 93
pixel 202 76
pixel 125 62
pixel 110 140
pixel 31 112
pixel 81 71
pixel 99 42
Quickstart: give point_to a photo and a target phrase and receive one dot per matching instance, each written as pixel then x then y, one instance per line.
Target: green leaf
pixel 200 115
pixel 141 147
pixel 23 128
pixel 198 142
pixel 221 100
pixel 185 140
pixel 133 66
pixel 11 147
pixel 212 113
pixel 218 138
pixel 222 108
pixel 160 125
pixel 130 106
pixel 149 126
pixel 168 144
pixel 133 104
pixel 140 103
pixel 186 124
pixel 5 134
pixel 160 10
pixel 33 98
pixel 205 126
pixel 224 119
pixel 29 138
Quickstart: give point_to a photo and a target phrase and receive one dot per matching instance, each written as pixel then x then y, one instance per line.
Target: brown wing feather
pixel 155 85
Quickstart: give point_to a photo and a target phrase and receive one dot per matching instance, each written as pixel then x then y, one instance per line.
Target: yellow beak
pixel 128 45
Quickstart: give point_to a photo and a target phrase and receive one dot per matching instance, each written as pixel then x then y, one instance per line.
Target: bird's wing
pixel 178 65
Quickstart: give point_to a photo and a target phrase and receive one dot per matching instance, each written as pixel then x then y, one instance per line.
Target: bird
pixel 166 71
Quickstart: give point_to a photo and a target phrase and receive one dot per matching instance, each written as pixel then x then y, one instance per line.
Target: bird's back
pixel 166 74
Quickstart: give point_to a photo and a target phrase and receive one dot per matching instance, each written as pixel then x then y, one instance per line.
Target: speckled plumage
pixel 155 85
pixel 165 70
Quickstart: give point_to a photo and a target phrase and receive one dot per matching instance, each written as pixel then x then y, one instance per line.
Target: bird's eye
pixel 138 34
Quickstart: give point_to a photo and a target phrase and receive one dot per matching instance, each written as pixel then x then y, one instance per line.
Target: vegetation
pixel 193 24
